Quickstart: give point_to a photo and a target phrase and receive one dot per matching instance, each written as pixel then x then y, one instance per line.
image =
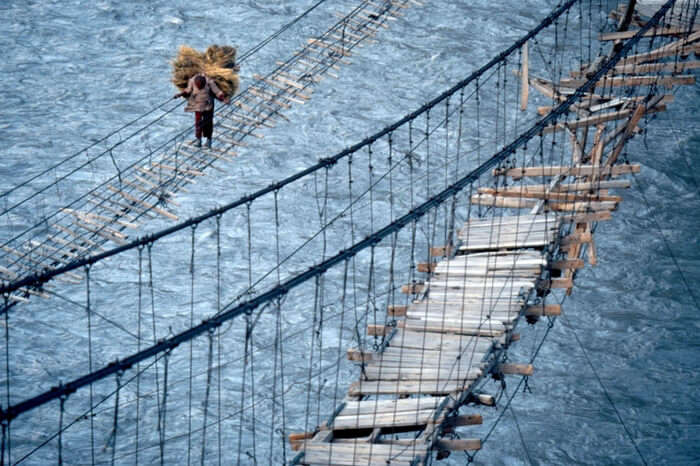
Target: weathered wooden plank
pixel 524 77
pixel 447 371
pixel 399 388
pixel 517 369
pixel 567 264
pixel 396 311
pixel 671 67
pixel 459 444
pixel 486 330
pixel 543 310
pixel 618 81
pixel 550 196
pixel 657 31
pixel 464 420
pixel 581 170
pixel 351 454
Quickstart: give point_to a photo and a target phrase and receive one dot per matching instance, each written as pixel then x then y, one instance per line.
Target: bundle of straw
pixel 218 63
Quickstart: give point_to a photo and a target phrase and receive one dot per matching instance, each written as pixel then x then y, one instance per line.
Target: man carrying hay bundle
pixel 201 77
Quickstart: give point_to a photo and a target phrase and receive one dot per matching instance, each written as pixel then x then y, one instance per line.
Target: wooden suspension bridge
pixel 466 312
pixel 405 406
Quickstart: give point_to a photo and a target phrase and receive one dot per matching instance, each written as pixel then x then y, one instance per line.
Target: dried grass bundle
pixel 218 62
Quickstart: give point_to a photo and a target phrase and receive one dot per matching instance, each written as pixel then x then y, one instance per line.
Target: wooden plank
pixel 588 217
pixel 631 125
pixel 351 454
pixel 618 81
pixel 561 283
pixel 461 444
pixel 656 31
pixel 492 330
pixel 441 251
pixel 402 373
pixel 426 267
pixel 582 170
pixel 100 231
pixel 269 97
pixel 396 311
pixel 588 186
pixel 662 52
pixel 589 121
pixel 576 238
pixel 342 51
pixel 416 359
pixel 413 288
pixel 143 203
pixel 378 330
pixel 370 421
pixel 524 79
pixel 543 310
pixel 464 420
pixel 517 369
pixel 355 408
pixel 566 264
pixel 550 196
pixel 414 387
pixel 672 67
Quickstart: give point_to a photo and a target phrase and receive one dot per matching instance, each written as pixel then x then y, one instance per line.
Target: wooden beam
pixel 543 310
pixel 426 267
pixel 464 420
pixel 458 444
pixel 524 80
pixel 517 369
pixel 413 288
pixel 617 81
pixel 378 330
pixel 566 264
pixel 357 355
pixel 663 31
pixel 441 251
pixel 562 283
pixel 586 218
pixel 525 192
pixel 397 311
pixel 576 238
pixel 672 67
pixel 582 170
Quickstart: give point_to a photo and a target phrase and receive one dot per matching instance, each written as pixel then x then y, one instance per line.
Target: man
pixel 200 95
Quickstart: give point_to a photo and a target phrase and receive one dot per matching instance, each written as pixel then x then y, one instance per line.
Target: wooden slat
pixel 617 81
pixel 459 444
pixel 398 388
pixel 517 369
pixel 657 31
pixel 351 454
pixel 524 78
pixel 582 170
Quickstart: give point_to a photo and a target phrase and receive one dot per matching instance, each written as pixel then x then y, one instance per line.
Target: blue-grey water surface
pixel 73 71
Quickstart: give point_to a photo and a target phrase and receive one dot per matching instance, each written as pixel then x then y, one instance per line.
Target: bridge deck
pixel 463 318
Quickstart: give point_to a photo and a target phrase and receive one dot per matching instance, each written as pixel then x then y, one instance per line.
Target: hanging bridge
pixel 370 339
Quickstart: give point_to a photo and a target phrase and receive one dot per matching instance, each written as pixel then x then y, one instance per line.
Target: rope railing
pixel 278 292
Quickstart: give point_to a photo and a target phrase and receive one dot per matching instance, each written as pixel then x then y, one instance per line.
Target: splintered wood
pixel 475 292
